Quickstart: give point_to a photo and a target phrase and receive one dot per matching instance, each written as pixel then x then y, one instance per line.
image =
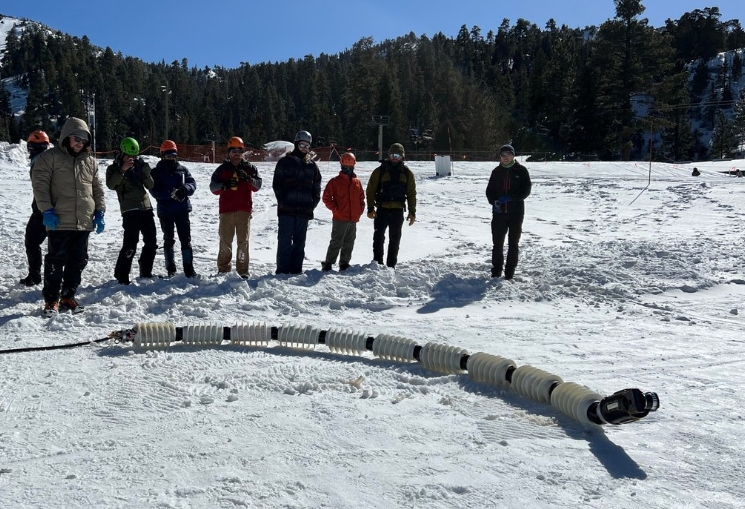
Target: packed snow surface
pixel 622 283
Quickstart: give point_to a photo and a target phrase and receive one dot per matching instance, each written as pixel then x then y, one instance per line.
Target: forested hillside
pixel 593 92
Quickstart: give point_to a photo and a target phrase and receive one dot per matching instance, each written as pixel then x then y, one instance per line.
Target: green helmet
pixel 130 146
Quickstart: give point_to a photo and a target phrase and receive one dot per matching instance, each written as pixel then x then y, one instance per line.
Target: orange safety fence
pixel 204 154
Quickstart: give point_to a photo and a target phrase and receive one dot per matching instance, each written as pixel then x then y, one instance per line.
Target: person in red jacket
pixel 234 181
pixel 345 198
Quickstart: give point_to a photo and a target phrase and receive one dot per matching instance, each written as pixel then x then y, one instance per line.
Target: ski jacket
pixel 68 182
pixel 513 182
pixel 392 186
pixel 167 177
pixel 297 185
pixel 239 199
pixel 344 197
pixel 130 187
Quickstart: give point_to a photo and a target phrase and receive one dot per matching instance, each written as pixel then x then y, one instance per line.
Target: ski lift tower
pixel 381 121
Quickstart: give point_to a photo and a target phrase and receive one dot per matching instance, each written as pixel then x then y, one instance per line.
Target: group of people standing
pixel 69 204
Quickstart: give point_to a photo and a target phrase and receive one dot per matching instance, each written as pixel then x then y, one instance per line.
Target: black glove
pixel 179 194
pixel 137 168
pixel 230 184
pixel 242 175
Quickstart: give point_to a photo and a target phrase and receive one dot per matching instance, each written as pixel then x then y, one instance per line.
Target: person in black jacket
pixel 297 186
pixel 508 187
pixel 36 232
pixel 390 189
pixel 172 186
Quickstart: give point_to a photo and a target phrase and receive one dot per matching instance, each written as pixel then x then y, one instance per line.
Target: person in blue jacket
pixel 172 186
pixel 297 186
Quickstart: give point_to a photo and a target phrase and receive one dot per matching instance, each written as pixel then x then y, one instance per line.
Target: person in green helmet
pixel 129 176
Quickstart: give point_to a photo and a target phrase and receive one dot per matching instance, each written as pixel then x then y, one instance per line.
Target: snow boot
pixel 343 265
pixel 70 304
pixel 170 261
pixel 326 266
pixel 31 280
pixel 51 309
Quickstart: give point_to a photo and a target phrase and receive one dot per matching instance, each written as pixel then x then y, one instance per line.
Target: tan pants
pixel 238 224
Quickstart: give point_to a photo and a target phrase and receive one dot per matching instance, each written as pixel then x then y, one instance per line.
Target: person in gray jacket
pixel 69 193
pixel 129 176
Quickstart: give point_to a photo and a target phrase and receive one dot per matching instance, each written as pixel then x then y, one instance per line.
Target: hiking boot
pixel 31 280
pixel 123 281
pixel 343 266
pixel 325 266
pixel 70 304
pixel 496 272
pixel 51 308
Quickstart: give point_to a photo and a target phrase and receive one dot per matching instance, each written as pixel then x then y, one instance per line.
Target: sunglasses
pixel 236 150
pixel 78 139
pixel 170 156
pixel 303 144
pixel 395 156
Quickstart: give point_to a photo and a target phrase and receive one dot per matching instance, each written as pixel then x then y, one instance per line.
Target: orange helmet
pixel 235 142
pixel 348 159
pixel 168 146
pixel 38 136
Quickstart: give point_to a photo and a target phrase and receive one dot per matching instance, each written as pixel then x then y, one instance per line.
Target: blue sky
pixel 231 32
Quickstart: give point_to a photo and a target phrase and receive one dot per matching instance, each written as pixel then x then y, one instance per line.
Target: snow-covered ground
pixel 617 287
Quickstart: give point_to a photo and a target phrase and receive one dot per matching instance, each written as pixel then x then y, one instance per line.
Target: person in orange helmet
pixel 235 181
pixel 36 232
pixel 172 186
pixel 344 197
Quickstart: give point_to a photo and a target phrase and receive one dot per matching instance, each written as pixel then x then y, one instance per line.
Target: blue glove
pixel 504 199
pixel 51 221
pixel 98 221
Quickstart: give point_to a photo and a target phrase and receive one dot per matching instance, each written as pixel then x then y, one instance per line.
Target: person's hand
pixel 231 183
pixel 51 221
pixel 98 221
pixel 411 218
pixel 242 175
pixel 128 164
pixel 136 168
pixel 371 214
pixel 504 199
pixel 179 194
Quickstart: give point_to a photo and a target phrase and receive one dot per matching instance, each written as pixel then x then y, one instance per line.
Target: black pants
pixel 510 226
pixel 66 258
pixel 392 219
pixel 36 234
pixel 136 222
pixel 183 227
pixel 291 235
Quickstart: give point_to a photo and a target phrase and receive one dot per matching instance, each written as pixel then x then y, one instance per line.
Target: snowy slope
pixel 608 294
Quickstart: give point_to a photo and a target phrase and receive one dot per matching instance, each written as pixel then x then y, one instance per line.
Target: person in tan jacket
pixel 69 193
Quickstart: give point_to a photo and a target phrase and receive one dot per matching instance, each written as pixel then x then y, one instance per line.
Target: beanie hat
pixel 396 148
pixel 507 148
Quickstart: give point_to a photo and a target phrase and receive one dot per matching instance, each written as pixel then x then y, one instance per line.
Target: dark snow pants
pixel 136 222
pixel 291 235
pixel 182 225
pixel 510 226
pixel 66 258
pixel 392 219
pixel 36 234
